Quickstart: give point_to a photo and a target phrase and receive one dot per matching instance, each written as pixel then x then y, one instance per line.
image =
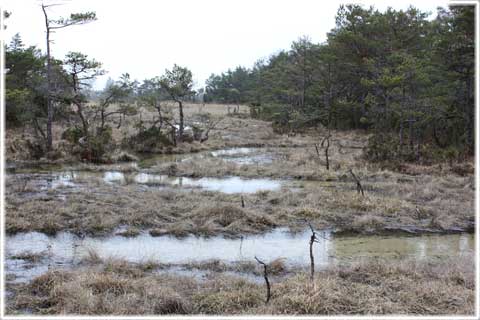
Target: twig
pixel 265 275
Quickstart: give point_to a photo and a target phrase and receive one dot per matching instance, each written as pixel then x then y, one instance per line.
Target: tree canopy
pixel 407 79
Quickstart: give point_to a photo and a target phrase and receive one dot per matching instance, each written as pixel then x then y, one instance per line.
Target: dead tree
pixel 265 275
pixel 359 185
pixel 243 202
pixel 313 238
pixel 325 144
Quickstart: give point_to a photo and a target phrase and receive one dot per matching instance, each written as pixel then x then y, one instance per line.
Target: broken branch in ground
pixel 359 185
pixel 265 275
pixel 313 238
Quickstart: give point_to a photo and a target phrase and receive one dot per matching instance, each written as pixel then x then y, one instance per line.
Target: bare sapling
pixel 265 275
pixel 325 144
pixel 359 185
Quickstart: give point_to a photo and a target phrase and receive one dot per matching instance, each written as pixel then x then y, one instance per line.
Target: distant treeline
pixel 407 79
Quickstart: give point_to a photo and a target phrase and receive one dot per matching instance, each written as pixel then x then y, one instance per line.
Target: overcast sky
pixel 208 36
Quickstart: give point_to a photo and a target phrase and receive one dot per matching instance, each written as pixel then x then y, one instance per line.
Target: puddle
pixel 46 177
pixel 225 184
pixel 66 249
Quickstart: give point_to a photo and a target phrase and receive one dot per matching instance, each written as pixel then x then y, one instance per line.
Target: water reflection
pixel 66 249
pixel 224 184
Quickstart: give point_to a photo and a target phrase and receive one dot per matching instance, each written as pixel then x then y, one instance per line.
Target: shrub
pixel 148 140
pixel 96 147
pixel 72 135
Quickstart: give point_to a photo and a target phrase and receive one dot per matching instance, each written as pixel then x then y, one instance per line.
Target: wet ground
pixel 67 250
pixel 51 177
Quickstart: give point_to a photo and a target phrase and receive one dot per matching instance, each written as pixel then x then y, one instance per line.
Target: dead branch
pixel 210 127
pixel 313 238
pixel 359 185
pixel 265 275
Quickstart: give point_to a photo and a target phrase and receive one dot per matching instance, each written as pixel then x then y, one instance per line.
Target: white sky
pixel 208 36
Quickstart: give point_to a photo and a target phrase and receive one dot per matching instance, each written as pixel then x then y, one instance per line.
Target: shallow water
pixel 66 249
pixel 224 184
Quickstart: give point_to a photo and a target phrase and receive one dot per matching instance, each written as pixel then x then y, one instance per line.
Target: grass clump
pixel 363 288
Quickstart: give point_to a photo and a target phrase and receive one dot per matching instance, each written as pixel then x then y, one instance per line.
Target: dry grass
pixel 327 198
pixel 119 288
pixel 444 196
pixel 446 203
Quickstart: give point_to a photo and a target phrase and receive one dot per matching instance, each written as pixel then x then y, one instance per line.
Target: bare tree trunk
pixel 180 109
pixel 49 71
